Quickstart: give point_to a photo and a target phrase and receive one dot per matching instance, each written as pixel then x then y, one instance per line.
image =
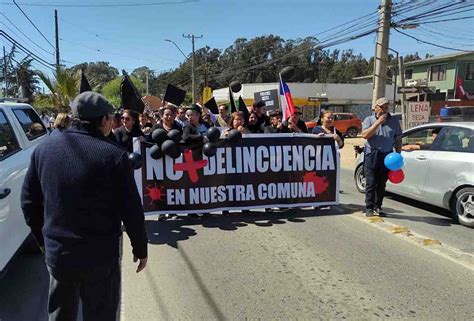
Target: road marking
pixel 431 242
pixel 376 219
pixel 454 255
pixel 399 229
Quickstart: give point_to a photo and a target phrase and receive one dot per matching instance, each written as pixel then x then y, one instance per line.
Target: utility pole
pixel 56 29
pixel 5 76
pixel 192 37
pixel 402 99
pixel 147 75
pixel 381 51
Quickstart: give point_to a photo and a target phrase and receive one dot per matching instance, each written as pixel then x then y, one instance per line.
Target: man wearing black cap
pixel 262 119
pixel 77 191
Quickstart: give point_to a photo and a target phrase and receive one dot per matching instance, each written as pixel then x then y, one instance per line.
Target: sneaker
pixel 380 212
pixel 369 213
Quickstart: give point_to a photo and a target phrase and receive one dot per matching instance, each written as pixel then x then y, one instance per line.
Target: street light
pixel 174 43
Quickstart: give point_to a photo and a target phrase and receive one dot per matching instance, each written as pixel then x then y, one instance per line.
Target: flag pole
pixel 286 100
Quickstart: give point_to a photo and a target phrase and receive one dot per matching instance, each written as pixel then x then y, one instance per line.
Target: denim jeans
pixel 376 175
pixel 98 288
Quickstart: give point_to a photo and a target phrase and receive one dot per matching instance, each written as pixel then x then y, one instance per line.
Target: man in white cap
pixel 383 133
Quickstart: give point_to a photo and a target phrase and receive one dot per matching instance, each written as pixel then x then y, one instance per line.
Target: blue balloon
pixel 393 161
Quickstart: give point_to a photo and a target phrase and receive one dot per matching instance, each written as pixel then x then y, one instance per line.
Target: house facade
pixel 439 73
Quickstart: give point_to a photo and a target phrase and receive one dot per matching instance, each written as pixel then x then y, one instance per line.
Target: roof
pixel 467 124
pixel 440 58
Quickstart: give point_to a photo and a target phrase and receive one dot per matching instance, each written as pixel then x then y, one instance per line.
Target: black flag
pixel 243 109
pixel 130 97
pixel 174 95
pixel 212 106
pixel 233 109
pixel 84 84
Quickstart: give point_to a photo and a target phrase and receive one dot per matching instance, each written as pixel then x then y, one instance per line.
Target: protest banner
pixel 418 113
pixel 269 97
pixel 261 171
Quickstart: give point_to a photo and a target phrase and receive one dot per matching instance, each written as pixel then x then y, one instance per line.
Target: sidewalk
pixel 348 158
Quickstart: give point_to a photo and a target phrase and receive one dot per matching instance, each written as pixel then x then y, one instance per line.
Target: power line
pixel 436 9
pixel 430 43
pixel 34 25
pixel 103 5
pixel 26 36
pixel 445 20
pixel 25 50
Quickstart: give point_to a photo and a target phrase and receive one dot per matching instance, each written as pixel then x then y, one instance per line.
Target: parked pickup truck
pixel 21 130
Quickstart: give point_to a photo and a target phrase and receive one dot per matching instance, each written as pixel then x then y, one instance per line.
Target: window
pixel 342 117
pixel 8 142
pixel 438 73
pixel 408 74
pixel 30 122
pixel 420 140
pixel 456 139
pixel 470 71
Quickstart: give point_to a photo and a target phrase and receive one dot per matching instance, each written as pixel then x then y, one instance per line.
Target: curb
pixel 435 246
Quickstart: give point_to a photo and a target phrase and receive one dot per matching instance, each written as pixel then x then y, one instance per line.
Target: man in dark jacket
pixel 77 191
pixel 276 125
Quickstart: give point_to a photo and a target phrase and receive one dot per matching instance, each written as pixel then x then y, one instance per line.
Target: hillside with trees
pixel 256 60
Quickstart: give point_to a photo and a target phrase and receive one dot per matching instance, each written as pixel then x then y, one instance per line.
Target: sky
pixel 134 36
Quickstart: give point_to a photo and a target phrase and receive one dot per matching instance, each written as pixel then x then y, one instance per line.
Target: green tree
pixel 98 73
pixel 21 78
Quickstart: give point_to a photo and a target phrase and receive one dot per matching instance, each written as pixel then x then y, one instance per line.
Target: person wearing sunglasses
pixel 296 120
pixel 130 129
pixel 327 128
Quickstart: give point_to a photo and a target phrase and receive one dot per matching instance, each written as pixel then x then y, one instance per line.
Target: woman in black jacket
pixel 130 129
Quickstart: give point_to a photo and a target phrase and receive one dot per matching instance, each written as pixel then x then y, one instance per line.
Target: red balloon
pixel 396 177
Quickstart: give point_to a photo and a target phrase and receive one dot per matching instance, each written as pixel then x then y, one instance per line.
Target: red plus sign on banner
pixel 190 165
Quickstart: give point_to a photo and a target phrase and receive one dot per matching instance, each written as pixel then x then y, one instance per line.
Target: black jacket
pixel 125 138
pixel 274 130
pixel 77 191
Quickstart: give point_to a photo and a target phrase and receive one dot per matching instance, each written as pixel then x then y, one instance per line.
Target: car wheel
pixel 464 206
pixel 359 178
pixel 352 132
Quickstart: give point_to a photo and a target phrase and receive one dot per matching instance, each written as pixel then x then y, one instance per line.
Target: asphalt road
pixel 305 264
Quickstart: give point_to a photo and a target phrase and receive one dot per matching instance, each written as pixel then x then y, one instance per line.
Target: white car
pixel 21 129
pixel 439 168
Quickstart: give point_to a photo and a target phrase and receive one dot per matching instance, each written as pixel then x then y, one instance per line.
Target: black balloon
pixel 287 73
pixel 171 149
pixel 159 135
pixel 213 134
pixel 175 135
pixel 136 160
pixel 234 136
pixel 235 86
pixel 209 149
pixel 155 152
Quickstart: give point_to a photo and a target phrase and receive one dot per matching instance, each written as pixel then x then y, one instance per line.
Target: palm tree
pixel 64 86
pixel 26 77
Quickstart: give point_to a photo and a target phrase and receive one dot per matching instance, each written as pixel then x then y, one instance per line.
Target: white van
pixel 21 129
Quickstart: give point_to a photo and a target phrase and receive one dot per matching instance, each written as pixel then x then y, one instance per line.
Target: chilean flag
pixel 460 92
pixel 286 100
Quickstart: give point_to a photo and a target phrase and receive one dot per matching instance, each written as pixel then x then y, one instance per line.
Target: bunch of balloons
pixel 394 162
pixel 211 140
pixel 165 143
pixel 170 144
